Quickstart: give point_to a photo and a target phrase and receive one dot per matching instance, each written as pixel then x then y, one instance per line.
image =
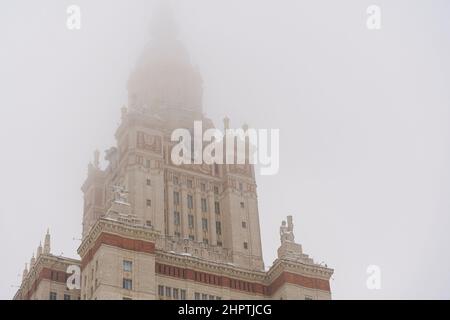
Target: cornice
pixel 203 265
pixel 282 265
pixel 118 228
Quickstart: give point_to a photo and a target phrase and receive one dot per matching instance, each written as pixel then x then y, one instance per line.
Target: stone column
pixel 212 218
pixel 198 214
pixel 170 207
pixel 184 212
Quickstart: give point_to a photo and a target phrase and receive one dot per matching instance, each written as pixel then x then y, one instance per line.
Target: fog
pixel 364 119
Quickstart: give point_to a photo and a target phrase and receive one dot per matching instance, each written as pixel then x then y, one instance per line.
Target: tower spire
pixel 32 261
pixel 39 250
pixel 25 272
pixel 164 78
pixel 47 242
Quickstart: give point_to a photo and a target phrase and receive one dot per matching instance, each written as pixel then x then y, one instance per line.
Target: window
pixel 191 237
pixel 127 266
pixel 242 204
pixel 217 207
pixel 52 295
pixel 148 223
pixel 204 296
pixel 66 296
pixel 205 224
pixel 177 234
pixel 204 206
pixel 218 298
pixel 149 203
pixel 197 296
pixel 147 163
pixel 218 228
pixel 175 180
pixel 176 218
pixel 240 186
pixel 149 182
pixel 308 298
pixel 176 198
pixel 191 221
pixel 245 245
pixel 168 292
pixel 190 201
pixel 127 284
pixel 189 183
pixel 205 241
pixel 211 297
pixel 183 294
pixel 203 187
pixel 175 293
pixel 219 243
pixel 216 190
pixel 160 290
pixel 126 298
pixel 244 224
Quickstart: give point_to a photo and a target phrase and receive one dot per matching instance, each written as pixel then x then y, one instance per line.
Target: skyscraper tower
pixel 156 230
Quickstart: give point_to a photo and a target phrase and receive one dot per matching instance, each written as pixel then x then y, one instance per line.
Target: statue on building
pixel 96 159
pixel 120 194
pixel 111 155
pixel 287 230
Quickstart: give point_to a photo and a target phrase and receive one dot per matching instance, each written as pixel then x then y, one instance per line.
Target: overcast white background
pixel 364 119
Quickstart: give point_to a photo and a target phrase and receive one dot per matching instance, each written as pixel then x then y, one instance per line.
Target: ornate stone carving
pixel 241 169
pixel 149 142
pixel 120 194
pixel 201 168
pixel 287 231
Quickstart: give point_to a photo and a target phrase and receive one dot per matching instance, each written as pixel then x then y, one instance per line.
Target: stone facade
pixel 156 230
pixel 47 276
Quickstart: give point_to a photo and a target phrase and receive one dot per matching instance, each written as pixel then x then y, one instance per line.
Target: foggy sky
pixel 363 116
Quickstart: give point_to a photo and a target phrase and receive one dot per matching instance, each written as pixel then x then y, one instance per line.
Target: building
pixel 156 230
pixel 47 276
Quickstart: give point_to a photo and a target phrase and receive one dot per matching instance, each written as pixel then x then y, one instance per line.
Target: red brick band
pixel 240 285
pixel 203 277
pixel 307 282
pixel 47 274
pixel 119 242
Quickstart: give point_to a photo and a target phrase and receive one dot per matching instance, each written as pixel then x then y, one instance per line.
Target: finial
pixel 39 250
pixel 163 25
pixel 226 123
pixel 32 261
pixel 25 272
pixel 96 158
pixel 124 112
pixel 245 126
pixel 47 242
